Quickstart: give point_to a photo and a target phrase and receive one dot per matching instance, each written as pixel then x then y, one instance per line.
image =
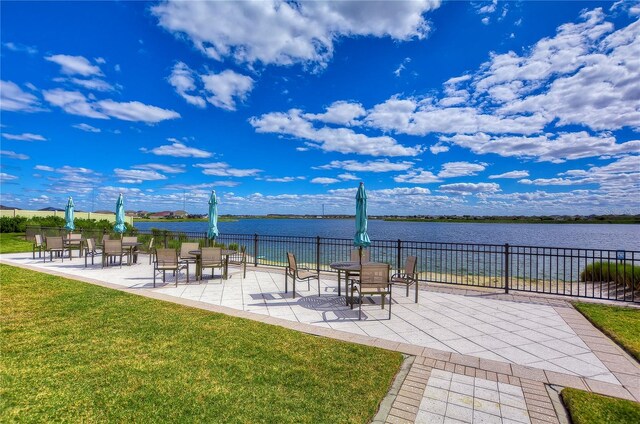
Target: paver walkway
pixel 545 342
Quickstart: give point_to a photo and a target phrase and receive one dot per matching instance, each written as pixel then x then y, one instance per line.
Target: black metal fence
pixel 590 273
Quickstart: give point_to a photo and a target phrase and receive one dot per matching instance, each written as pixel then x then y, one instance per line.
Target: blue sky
pixel 439 107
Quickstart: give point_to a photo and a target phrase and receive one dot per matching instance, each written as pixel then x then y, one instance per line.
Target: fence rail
pixel 577 272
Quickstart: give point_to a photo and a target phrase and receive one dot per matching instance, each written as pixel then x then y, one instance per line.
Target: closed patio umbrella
pixel 120 226
pixel 361 238
pixel 212 232
pixel 68 216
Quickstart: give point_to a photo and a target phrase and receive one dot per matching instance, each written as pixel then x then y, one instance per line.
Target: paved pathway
pixel 476 335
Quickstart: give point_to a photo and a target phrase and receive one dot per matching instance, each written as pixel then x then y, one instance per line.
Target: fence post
pixel 399 260
pixel 206 240
pixel 255 250
pixel 318 254
pixel 506 268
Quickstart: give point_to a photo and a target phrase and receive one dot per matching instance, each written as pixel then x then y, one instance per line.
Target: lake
pixel 591 236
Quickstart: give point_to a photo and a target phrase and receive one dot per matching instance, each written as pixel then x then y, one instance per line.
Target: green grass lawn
pixel 74 352
pixel 14 243
pixel 588 408
pixel 619 323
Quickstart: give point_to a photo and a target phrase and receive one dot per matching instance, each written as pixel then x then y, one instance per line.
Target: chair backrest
pixel 113 247
pixel 75 237
pixel 166 257
pixel 292 261
pixel 151 244
pixel 186 247
pixel 129 239
pixel 211 255
pixel 105 238
pixel 54 243
pixel 38 240
pixel 410 265
pixel 374 275
pixel 239 257
pixel 91 245
pixel 355 255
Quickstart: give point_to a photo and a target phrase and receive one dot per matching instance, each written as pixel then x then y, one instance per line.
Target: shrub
pixel 618 272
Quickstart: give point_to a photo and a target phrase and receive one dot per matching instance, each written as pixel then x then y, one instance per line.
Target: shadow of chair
pixel 296 273
pixel 374 280
pixel 408 276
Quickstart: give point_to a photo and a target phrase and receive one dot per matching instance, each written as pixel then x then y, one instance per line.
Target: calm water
pixel 591 236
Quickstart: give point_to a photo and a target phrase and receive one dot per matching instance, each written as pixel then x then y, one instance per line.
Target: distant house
pixel 163 214
pixel 180 214
pixel 51 209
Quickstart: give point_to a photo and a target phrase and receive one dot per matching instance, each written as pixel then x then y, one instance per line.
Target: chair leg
pixel 407 289
pixel 359 306
pixel 318 285
pixel 416 283
pixel 154 278
pixel 286 281
pixel 390 302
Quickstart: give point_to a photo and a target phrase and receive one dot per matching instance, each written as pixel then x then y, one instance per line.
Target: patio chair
pixel 55 244
pixel 151 249
pixel 91 250
pixel 112 249
pixel 167 260
pixel 211 257
pixel 240 258
pixel 187 258
pixel 38 243
pixel 105 237
pixel 74 241
pixel 355 255
pixel 408 276
pixel 296 273
pixel 374 280
pixel 134 249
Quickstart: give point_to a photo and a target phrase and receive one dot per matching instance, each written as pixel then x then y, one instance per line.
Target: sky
pixel 480 108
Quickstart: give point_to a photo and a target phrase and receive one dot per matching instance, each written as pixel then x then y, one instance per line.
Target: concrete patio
pixel 487 337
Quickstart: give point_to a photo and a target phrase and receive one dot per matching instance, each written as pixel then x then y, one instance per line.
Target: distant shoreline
pixel 596 219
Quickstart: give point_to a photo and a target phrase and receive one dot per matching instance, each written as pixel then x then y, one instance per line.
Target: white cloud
pixel 167 169
pixel 183 81
pixel 73 65
pixel 439 148
pixel 340 113
pixel 510 174
pixel 324 180
pixel 283 33
pixel 222 169
pixel 549 148
pixel 281 179
pixel 13 155
pixel 137 176
pixel 17 47
pixel 347 177
pixel 342 140
pixel 76 103
pixel 24 137
pixel 226 88
pixel 381 165
pixel 87 128
pixel 178 150
pixel 44 168
pixel 417 176
pixel 93 84
pixel 548 181
pixel 460 169
pixel 4 177
pixel 12 98
pixel 466 189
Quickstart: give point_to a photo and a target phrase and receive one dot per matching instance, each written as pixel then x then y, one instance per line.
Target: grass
pixel 588 408
pixel 618 272
pixel 74 352
pixel 14 243
pixel 619 323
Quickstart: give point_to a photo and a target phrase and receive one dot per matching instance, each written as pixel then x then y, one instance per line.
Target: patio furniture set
pixel 362 278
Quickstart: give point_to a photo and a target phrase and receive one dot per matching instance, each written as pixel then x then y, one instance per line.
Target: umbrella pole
pixel 360 255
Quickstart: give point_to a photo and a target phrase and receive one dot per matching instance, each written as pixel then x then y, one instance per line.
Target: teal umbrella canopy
pixel 68 215
pixel 361 238
pixel 120 226
pixel 213 232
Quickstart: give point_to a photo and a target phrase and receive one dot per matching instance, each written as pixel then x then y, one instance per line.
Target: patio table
pixel 198 254
pixel 76 242
pixel 129 246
